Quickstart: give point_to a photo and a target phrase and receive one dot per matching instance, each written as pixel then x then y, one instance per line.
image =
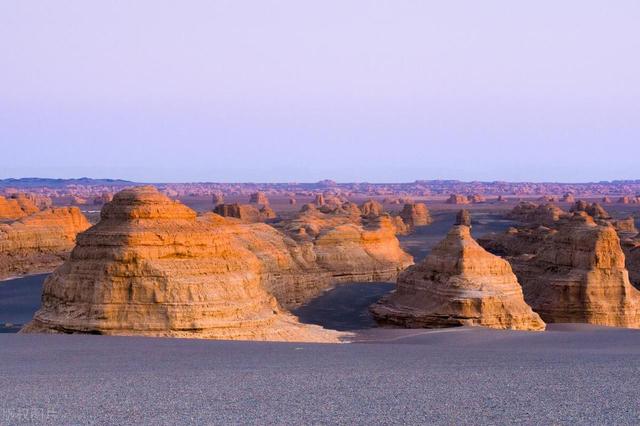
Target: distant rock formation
pixel 568 198
pixel 579 275
pixel 39 242
pixel 416 214
pixel 457 199
pixel 217 198
pixel 625 226
pixel 319 200
pixel 606 200
pixel 476 198
pixel 594 210
pixel 245 212
pixel 259 198
pixel 528 212
pixel 151 267
pixel 292 201
pixel 458 283
pixel 371 208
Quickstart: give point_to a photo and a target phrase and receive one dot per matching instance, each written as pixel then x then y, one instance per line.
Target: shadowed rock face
pixel 458 283
pixel 151 267
pixel 40 241
pixel 579 275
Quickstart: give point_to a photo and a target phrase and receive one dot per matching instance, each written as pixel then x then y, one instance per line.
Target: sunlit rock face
pixel 579 275
pixel 152 267
pixel 40 241
pixel 458 283
pixel 416 214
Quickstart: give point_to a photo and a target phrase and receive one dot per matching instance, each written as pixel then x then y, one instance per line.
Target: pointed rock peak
pixel 463 218
pixel 144 202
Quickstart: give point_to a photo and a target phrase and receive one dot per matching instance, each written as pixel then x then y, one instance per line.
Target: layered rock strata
pixel 151 267
pixel 39 242
pixel 458 283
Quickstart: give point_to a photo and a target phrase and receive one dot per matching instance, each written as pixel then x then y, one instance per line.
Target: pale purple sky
pixel 300 90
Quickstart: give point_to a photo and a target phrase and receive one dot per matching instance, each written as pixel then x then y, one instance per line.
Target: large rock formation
pixel 371 208
pixel 531 213
pixel 458 283
pixel 416 214
pixel 39 242
pixel 579 275
pixel 151 267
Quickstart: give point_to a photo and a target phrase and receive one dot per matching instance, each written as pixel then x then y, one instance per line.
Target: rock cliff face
pixel 579 275
pixel 39 242
pixel 416 214
pixel 151 267
pixel 528 212
pixel 631 248
pixel 259 198
pixel 458 283
pixel 372 208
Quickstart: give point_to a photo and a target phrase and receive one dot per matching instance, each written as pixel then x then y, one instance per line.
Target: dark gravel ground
pixel 569 375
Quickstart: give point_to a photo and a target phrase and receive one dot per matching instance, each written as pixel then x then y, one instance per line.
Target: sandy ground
pixel 460 376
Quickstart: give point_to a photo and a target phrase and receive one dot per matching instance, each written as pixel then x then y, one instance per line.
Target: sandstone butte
pixel 416 214
pixel 152 267
pixel 259 198
pixel 579 275
pixel 39 242
pixel 348 248
pixel 246 212
pixel 457 199
pixel 458 283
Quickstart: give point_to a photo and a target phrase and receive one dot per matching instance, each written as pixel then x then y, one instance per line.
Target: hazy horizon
pixel 283 91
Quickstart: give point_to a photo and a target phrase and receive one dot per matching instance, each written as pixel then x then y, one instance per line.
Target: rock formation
pixel 16 207
pixel 103 198
pixel 416 214
pixel 579 275
pixel 527 212
pixel 477 198
pixel 457 199
pixel 245 212
pixel 625 226
pixel 39 242
pixel 458 283
pixel 319 200
pixel 259 198
pixel 568 198
pixel 151 267
pixel 371 208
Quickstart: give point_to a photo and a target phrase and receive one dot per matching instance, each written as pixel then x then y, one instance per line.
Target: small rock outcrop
pixel 151 267
pixel 457 199
pixel 458 283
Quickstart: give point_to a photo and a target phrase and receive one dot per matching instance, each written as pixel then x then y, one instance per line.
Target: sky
pixel 298 91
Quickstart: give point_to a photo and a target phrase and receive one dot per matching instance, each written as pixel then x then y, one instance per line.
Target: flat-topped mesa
pixel 39 242
pixel 579 276
pixel 151 267
pixel 458 283
pixel 531 213
pixel 416 214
